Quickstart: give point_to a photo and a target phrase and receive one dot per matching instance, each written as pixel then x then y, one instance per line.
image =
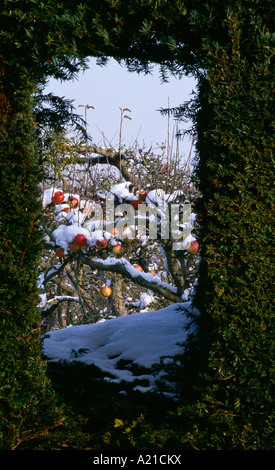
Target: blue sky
pixel 112 87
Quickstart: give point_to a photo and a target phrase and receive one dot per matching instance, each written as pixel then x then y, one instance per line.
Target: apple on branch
pixel 72 201
pixel 80 240
pixel 135 203
pixel 74 247
pixel 79 243
pixel 116 249
pixel 66 209
pixel 58 197
pixel 106 291
pixel 138 267
pixel 59 252
pixel 101 243
pixel 193 247
pixel 142 195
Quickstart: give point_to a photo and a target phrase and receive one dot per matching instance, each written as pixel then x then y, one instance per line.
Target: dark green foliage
pixel 29 414
pixel 229 369
pixel 21 366
pixel 236 289
pixel 111 419
pixel 31 50
pixel 56 113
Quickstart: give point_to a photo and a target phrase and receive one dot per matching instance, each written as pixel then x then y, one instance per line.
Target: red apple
pixel 74 247
pixel 142 195
pixel 139 268
pixel 72 201
pixel 101 243
pixel 59 252
pixel 193 248
pixel 58 197
pixel 66 209
pixel 106 291
pixel 80 240
pixel 116 249
pixel 152 272
pixel 135 203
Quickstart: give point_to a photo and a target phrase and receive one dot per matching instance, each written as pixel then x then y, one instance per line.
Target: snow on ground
pixel 143 337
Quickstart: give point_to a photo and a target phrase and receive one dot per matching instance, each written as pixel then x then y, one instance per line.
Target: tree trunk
pixel 117 298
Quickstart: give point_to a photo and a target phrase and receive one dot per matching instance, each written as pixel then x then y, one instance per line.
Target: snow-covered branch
pixel 122 266
pixel 93 154
pixel 55 302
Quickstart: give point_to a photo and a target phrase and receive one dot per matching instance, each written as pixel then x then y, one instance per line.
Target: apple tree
pixel 110 245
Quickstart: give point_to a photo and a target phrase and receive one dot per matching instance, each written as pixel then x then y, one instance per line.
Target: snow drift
pixel 145 338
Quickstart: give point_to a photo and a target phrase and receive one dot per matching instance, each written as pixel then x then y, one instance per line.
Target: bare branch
pixel 108 156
